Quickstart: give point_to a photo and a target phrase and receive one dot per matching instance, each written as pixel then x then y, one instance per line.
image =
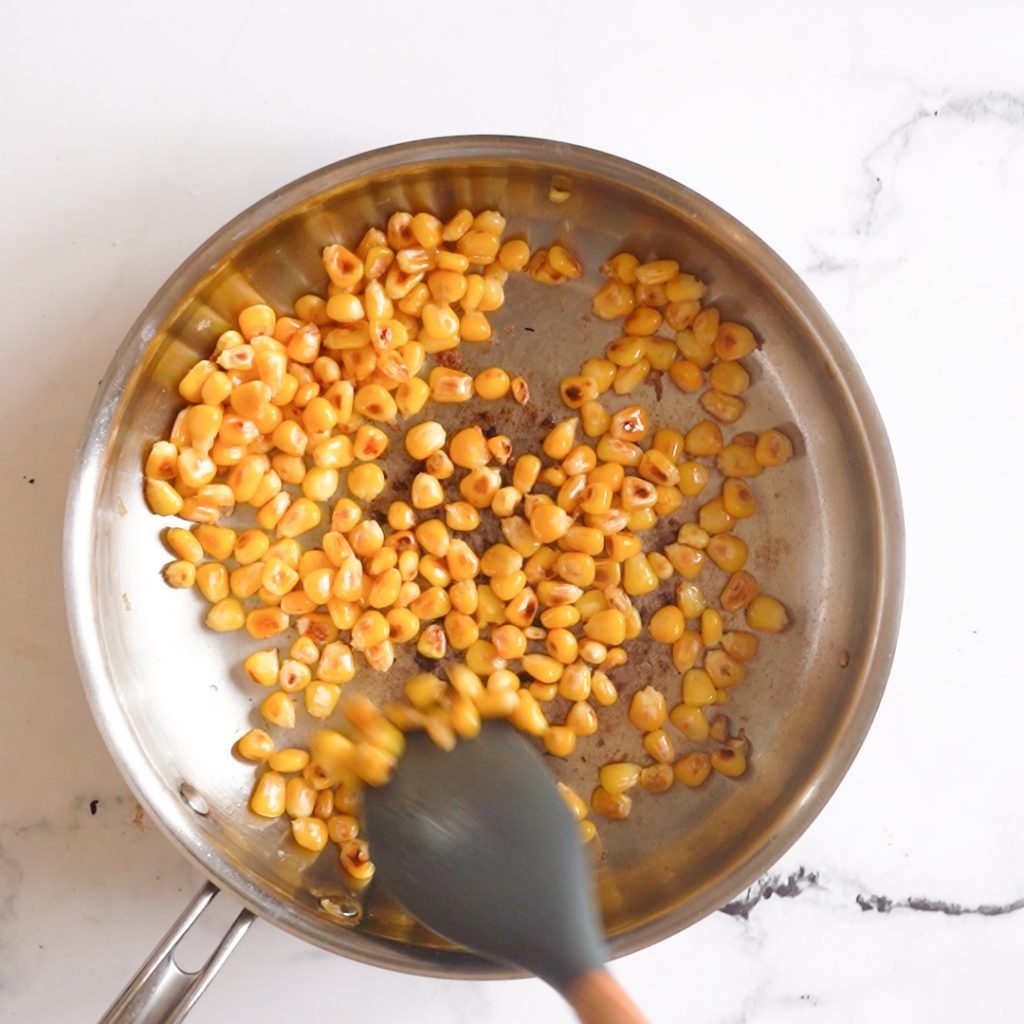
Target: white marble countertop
pixel 878 147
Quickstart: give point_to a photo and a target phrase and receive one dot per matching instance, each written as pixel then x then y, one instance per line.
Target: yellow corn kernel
pixel 647 710
pixel 629 378
pixel 321 698
pixel 461 516
pixel 667 624
pixel 773 448
pixel 728 552
pixel 740 589
pixel 480 485
pixel 411 396
pixel 659 745
pixel 217 541
pixel 624 352
pixel 767 614
pixel 423 439
pixel 657 778
pixel 549 523
pixel 691 722
pixel 691 600
pixel 739 645
pixel 365 481
pixel 607 627
pixel 686 650
pixel 277 708
pixel 301 517
pixel 310 833
pixel 514 255
pixel 492 383
pixel 564 263
pixel 561 645
pixel 637 576
pixel 613 300
pixel 528 716
pixel 715 518
pixel 560 439
pixel 698 690
pixel 299 798
pixel 262 623
pixel 226 615
pixel 256 745
pixel 290 759
pixel 619 776
pixel 212 581
pixel 559 740
pixel 542 667
pixel 268 795
pixel 468 448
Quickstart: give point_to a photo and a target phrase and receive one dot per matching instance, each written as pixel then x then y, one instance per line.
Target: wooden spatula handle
pixel 598 998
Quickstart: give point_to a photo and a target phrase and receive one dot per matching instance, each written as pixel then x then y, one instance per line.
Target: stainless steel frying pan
pixel 167 694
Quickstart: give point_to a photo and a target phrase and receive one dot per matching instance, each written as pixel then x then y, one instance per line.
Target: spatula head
pixel 478 844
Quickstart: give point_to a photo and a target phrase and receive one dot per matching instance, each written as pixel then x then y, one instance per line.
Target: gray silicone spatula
pixel 478 844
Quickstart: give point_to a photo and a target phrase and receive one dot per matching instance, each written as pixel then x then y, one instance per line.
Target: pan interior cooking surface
pixel 171 697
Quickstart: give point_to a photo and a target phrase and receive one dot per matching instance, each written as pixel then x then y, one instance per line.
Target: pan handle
pixel 162 993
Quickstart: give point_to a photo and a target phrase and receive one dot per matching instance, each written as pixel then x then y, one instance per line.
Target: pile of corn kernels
pixel 293 416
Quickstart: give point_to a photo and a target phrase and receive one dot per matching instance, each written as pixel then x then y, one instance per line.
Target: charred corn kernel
pixel 693 769
pixel 731 763
pixel 321 698
pixel 520 390
pixel 318 626
pixel 733 341
pixel 423 439
pixel 619 776
pixel 549 523
pixel 650 294
pixel 256 745
pixel 710 627
pixel 277 708
pixel 492 383
pixel 629 378
pixel 560 740
pixel 461 516
pixel 614 299
pixel 375 402
pixel 612 805
pixel 500 449
pixel 715 518
pixel 698 690
pixel 691 722
pixel 625 351
pixel 480 485
pixel 342 827
pixel 637 494
pixel 448 385
pixel 630 424
pixel 739 645
pixel 540 268
pixel 262 623
pixel 766 614
pixel 657 778
pixel 528 716
pixel 659 745
pixel 355 859
pixel 723 670
pixel 740 589
pixel 432 642
pixel 773 448
pixel 402 624
pixel 370 443
pixel 162 461
pixel 728 552
pixel 180 574
pixel 226 615
pixel 724 408
pixel 648 709
pixel 268 795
